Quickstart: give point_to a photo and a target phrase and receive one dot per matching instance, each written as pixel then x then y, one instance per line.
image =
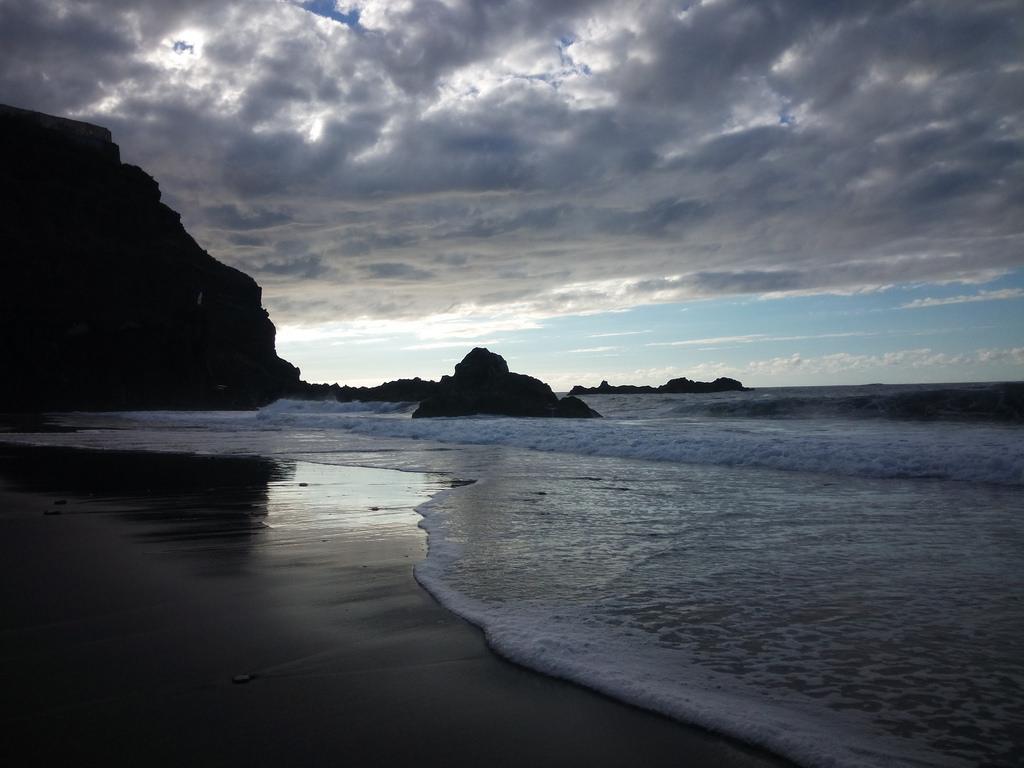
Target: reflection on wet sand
pixel 180 496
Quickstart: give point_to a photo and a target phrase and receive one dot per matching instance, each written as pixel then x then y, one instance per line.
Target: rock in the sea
pixel 483 384
pixel 604 388
pixel 108 303
pixel 572 407
pixel 672 387
pixel 685 386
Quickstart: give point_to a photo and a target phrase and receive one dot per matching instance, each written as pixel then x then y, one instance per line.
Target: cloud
pixel 387 270
pixel 308 267
pixel 550 158
pixel 1000 295
pixel 461 344
pixel 845 363
pixel 592 350
pixel 754 338
pixel 898 364
pixel 430 332
pixel 1014 355
pixel 747 339
pixel 232 217
pixel 616 333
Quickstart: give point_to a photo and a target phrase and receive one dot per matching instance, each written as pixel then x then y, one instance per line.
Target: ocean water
pixel 836 574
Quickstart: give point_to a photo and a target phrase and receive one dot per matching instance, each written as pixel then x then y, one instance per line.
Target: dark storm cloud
pixel 307 266
pixel 360 241
pixel 67 40
pixel 387 270
pixel 246 240
pixel 233 217
pixel 657 219
pixel 563 156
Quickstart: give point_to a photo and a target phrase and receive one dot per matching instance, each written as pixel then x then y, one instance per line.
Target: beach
pixel 156 613
pixel 810 571
pixel 512 384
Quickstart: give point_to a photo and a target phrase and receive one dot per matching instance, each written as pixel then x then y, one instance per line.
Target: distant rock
pixel 108 303
pixel 685 386
pixel 398 391
pixel 482 384
pixel 672 387
pixel 604 388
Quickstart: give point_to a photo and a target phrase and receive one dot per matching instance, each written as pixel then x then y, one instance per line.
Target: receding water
pixel 850 621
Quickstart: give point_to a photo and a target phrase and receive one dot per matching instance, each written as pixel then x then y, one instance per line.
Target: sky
pixel 789 192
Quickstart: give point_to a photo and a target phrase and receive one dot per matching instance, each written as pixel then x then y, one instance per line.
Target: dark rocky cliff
pixel 108 303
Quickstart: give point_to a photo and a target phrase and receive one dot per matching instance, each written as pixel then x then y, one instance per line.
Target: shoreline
pixel 131 612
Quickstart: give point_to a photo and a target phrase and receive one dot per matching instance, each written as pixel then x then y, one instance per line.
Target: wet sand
pixel 137 587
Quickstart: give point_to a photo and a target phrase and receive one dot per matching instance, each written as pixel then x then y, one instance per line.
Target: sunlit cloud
pixel 844 363
pixel 461 344
pixel 615 334
pixel 712 340
pixel 754 338
pixel 1000 295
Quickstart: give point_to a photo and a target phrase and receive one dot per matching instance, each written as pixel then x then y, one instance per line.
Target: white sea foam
pixel 847 623
pixel 981 402
pixel 292 407
pixel 886 449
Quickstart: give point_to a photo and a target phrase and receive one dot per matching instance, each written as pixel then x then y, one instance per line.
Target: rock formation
pixel 398 391
pixel 108 303
pixel 672 387
pixel 482 384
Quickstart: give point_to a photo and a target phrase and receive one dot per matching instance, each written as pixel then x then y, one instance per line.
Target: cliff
pixel 108 303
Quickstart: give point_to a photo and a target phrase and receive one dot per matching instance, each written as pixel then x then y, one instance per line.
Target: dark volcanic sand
pixel 126 616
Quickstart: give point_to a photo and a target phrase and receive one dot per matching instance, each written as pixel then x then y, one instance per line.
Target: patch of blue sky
pixel 740 334
pixel 950 332
pixel 329 9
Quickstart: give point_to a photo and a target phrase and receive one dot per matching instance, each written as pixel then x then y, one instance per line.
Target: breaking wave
pixel 1001 403
pixel 974 452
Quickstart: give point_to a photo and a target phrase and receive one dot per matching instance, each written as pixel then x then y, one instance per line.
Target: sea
pixel 835 574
